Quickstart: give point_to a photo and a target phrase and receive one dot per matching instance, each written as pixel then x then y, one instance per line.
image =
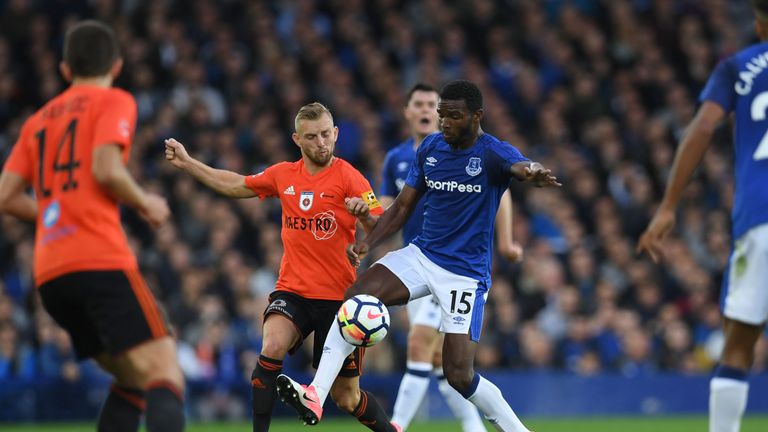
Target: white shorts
pixel 460 298
pixel 744 296
pixel 424 311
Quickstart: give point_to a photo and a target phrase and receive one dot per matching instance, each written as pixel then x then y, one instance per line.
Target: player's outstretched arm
pixel 687 158
pixel 387 224
pixel 534 172
pixel 110 173
pixel 508 248
pixel 222 181
pixel 13 197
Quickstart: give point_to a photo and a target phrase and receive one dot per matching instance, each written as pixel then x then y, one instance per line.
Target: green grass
pixel 622 424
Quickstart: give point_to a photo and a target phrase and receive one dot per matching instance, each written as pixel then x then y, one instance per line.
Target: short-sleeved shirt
pixel 316 226
pixel 397 164
pixel 462 190
pixel 78 223
pixel 739 84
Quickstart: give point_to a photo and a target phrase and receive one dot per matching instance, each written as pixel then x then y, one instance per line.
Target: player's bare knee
pixel 459 378
pixel 274 349
pixel 155 361
pixel 421 345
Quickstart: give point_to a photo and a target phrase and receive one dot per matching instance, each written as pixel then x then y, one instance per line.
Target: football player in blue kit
pixel 424 340
pixel 462 173
pixel 738 85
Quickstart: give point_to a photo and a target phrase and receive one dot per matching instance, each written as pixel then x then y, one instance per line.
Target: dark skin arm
pixel 689 154
pixel 387 224
pixel 534 172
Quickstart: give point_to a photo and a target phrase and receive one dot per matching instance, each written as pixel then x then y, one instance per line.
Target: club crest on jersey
pixel 51 214
pixel 305 200
pixel 473 168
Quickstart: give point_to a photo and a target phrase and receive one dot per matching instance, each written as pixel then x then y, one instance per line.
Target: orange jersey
pixel 316 225
pixel 78 223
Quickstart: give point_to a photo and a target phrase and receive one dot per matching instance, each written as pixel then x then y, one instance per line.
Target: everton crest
pixel 473 168
pixel 305 200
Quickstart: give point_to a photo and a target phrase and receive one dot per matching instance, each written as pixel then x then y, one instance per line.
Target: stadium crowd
pixel 600 90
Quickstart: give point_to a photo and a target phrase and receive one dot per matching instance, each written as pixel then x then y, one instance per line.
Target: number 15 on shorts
pixel 459 316
pixel 461 302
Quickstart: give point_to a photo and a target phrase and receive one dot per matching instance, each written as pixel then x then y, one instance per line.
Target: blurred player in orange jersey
pixel 322 198
pixel 73 152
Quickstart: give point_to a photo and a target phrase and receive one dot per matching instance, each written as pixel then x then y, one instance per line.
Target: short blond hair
pixel 312 111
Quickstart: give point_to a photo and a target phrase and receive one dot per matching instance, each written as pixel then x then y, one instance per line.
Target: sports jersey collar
pixel 322 173
pixel 467 150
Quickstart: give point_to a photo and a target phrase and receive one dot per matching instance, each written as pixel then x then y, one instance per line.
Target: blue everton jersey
pixel 397 164
pixel 740 84
pixel 462 190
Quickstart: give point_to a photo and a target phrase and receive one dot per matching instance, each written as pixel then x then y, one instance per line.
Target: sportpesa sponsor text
pixel 453 186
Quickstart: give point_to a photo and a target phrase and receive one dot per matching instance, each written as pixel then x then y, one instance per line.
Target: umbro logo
pixel 289 191
pixel 431 161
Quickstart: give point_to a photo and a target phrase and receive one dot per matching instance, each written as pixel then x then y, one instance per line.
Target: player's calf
pixel 263 390
pixel 122 410
pixel 153 366
pixel 361 404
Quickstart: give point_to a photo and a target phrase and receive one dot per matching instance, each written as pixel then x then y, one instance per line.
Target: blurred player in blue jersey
pixel 739 84
pixel 424 341
pixel 461 173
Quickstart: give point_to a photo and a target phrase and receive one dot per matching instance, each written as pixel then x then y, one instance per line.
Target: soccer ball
pixel 363 320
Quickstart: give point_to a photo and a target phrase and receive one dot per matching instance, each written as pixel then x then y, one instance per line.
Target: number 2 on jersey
pixel 69 166
pixel 757 109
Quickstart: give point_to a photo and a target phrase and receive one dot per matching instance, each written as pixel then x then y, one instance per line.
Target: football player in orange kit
pixel 322 197
pixel 73 152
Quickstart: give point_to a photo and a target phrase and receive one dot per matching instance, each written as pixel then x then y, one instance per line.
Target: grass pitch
pixel 598 424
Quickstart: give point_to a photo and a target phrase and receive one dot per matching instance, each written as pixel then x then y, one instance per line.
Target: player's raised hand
pixel 651 239
pixel 357 207
pixel 175 153
pixel 155 210
pixel 540 177
pixel 356 252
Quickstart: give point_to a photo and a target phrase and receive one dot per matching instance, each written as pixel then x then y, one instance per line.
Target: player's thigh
pixel 153 360
pixel 422 342
pixel 279 335
pixel 740 340
pixel 394 279
pixel 424 311
pixel 437 359
pixel 345 392
pixel 288 319
pixel 424 317
pixel 458 359
pixel 745 287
